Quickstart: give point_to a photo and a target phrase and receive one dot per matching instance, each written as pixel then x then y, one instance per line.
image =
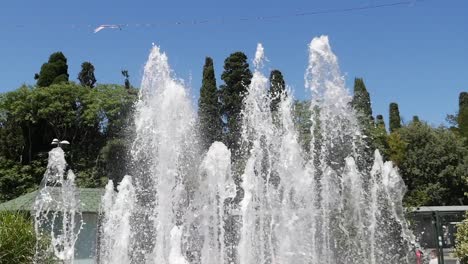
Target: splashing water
pixel 218 185
pixel 57 212
pixel 117 209
pixel 326 206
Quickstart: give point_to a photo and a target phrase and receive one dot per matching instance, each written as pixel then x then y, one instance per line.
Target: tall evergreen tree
pixel 209 108
pixel 86 75
pixel 361 102
pixel 395 120
pixel 362 106
pixel 277 87
pixel 463 114
pixel 379 136
pixel 127 79
pixel 380 122
pixel 54 71
pixel 237 77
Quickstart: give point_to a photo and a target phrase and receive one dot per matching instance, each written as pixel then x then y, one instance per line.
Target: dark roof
pixel 450 209
pixel 90 201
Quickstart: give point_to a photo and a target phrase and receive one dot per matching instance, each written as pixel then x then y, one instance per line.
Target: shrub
pixel 17 238
pixel 461 247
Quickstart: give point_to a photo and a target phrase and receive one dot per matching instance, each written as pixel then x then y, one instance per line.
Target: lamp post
pixel 438 237
pixel 58 143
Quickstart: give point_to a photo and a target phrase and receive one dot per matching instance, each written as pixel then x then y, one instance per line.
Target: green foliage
pixel 379 136
pixel 433 163
pixel 31 117
pixel 361 102
pixel 461 247
pixel 127 79
pixel 237 77
pixel 395 120
pixel 209 108
pixel 113 160
pixel 463 114
pixel 54 71
pixel 302 121
pixel 86 75
pixel 277 87
pixel 17 239
pixel 396 148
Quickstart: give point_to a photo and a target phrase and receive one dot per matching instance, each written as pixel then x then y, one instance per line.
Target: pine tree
pixel 209 112
pixel 362 106
pixel 361 103
pixel 127 80
pixel 463 114
pixel 361 99
pixel 277 87
pixel 395 120
pixel 237 77
pixel 54 71
pixel 86 75
pixel 380 122
pixel 380 137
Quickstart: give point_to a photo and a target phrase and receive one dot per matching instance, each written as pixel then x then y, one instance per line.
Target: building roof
pixel 90 199
pixel 429 209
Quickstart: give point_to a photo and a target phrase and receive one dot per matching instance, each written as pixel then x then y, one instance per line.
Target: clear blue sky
pixel 414 54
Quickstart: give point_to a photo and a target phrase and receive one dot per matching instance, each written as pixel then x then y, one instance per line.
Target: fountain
pixel 324 206
pixel 56 211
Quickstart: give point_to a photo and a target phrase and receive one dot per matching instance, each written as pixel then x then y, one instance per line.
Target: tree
pixel 209 108
pixel 277 88
pixel 395 120
pixel 237 77
pixel 380 137
pixel 463 114
pixel 361 102
pixel 362 106
pixel 86 75
pixel 127 79
pixel 433 164
pixel 461 246
pixel 54 71
pixel 88 118
pixel 379 121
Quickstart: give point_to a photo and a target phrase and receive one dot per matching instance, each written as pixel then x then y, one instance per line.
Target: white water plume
pixel 162 155
pixel 297 208
pixel 57 214
pixel 115 233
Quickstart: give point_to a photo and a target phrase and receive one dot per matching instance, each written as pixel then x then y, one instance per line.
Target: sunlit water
pixel 322 206
pixel 57 212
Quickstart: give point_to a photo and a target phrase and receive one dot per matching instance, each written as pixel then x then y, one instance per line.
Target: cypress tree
pixel 379 136
pixel 416 119
pixel 395 120
pixel 361 99
pixel 463 114
pixel 127 80
pixel 209 112
pixel 362 106
pixel 277 87
pixel 237 77
pixel 380 122
pixel 55 70
pixel 86 75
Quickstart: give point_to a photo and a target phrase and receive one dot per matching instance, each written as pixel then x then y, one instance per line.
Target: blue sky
pixel 415 54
